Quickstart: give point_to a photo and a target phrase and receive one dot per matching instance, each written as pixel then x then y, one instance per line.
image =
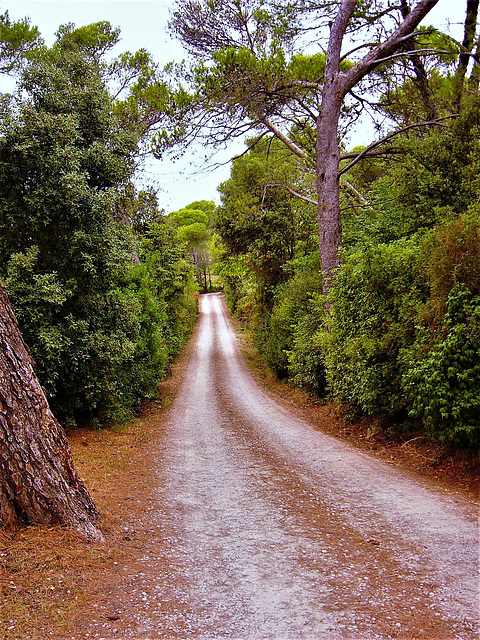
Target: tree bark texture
pixel 335 88
pixel 468 43
pixel 38 480
pixel 328 152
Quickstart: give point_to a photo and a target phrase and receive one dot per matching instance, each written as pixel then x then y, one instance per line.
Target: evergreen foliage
pixel 104 299
pixel 401 340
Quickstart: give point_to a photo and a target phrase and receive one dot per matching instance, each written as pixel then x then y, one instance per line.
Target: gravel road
pixel 262 527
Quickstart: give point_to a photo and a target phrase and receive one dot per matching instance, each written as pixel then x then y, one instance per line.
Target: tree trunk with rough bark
pixel 335 88
pixel 328 152
pixel 38 480
pixel 470 29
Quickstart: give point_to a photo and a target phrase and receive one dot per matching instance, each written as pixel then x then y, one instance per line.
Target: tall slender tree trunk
pixel 475 77
pixel 197 266
pixel 328 152
pixel 470 29
pixel 329 222
pixel 38 480
pixel 335 87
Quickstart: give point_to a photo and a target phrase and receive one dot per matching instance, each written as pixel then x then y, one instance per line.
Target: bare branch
pixel 366 152
pixel 366 206
pixel 375 44
pixel 251 146
pixel 356 193
pixel 363 101
pixel 370 154
pixel 307 109
pixel 305 84
pixel 408 54
pixel 385 49
pixel 285 139
pixel 360 46
pixel 293 192
pixel 353 206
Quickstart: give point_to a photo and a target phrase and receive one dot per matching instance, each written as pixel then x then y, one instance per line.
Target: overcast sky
pixel 143 25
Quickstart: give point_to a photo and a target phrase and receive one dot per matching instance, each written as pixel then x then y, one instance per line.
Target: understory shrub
pixel 442 367
pixel 372 316
pixel 101 350
pixel 292 305
pixel 442 376
pixel 404 336
pixel 306 357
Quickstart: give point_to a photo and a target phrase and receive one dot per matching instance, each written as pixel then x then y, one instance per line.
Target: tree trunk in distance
pixel 38 480
pixel 468 43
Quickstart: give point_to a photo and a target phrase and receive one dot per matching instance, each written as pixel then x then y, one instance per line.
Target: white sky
pixel 143 25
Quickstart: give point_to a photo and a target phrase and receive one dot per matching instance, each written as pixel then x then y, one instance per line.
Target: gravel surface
pixel 262 527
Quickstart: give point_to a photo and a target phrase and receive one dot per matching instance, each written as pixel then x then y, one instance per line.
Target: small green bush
pixel 443 379
pixel 292 305
pixel 306 356
pixel 373 309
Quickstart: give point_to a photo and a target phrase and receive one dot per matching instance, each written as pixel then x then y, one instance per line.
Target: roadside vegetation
pixel 401 341
pixel 356 270
pixel 101 284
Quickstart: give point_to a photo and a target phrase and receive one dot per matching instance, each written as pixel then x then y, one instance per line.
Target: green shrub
pixel 451 255
pixel 306 356
pixel 292 302
pixel 373 310
pixel 443 378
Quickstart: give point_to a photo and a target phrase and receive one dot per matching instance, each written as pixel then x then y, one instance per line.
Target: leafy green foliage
pixel 288 345
pixel 442 367
pixel 102 304
pixel 16 40
pixel 443 382
pixel 193 230
pixel 439 177
pixel 172 281
pixel 401 342
pixel 373 310
pixel 451 255
pixel 305 357
pixel 262 223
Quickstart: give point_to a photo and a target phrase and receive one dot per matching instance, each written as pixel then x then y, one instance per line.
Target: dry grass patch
pixel 47 574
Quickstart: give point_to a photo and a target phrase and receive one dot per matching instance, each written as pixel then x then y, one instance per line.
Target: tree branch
pixel 293 192
pixel 251 146
pixel 374 57
pixel 357 194
pixel 370 154
pixel 366 152
pixel 375 44
pixel 285 139
pixel 412 52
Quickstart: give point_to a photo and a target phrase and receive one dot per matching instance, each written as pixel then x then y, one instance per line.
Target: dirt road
pixel 263 527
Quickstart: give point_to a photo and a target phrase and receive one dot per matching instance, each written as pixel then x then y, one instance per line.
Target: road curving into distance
pixel 264 527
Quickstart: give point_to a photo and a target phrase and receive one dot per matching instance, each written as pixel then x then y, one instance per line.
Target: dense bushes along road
pixel 401 342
